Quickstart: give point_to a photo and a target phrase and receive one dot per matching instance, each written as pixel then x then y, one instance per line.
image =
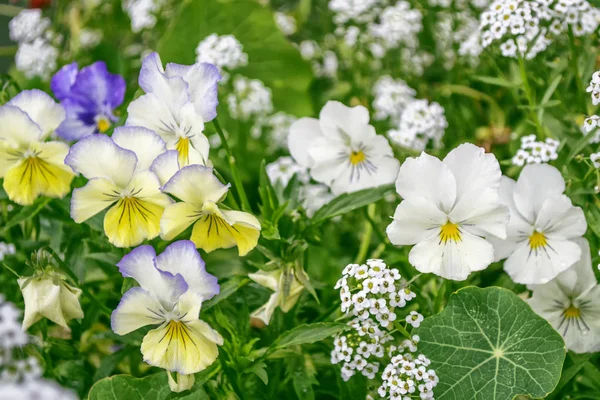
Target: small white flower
pixel 224 51
pixel 284 169
pixel 28 25
pixel 595 158
pixel 414 318
pixel 250 99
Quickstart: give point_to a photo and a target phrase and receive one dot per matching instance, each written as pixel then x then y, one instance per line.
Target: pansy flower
pixel 172 287
pixel 342 150
pixel 543 223
pixel 119 177
pixel 177 103
pixel 571 303
pixel 90 97
pixel 213 227
pixel 30 165
pixel 448 208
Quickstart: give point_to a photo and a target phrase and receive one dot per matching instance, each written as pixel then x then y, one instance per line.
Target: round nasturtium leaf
pixel 489 344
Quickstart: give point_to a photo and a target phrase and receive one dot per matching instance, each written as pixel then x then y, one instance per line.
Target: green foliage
pixel 152 387
pixel 349 202
pixel 308 334
pixel 488 342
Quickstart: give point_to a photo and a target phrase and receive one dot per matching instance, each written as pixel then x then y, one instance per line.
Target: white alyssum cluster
pixel 590 125
pixel 89 38
pixel 28 25
pixel 407 376
pixel 276 127
pixel 224 51
pixel 520 27
pixel 373 291
pixel 283 170
pixel 142 13
pixel 398 24
pixel 286 23
pixel 391 96
pixel 250 99
pixel 7 249
pixel 594 88
pixel 39 389
pixel 354 10
pixel 11 334
pixel 579 15
pixel 36 55
pixel 420 123
pixel 535 152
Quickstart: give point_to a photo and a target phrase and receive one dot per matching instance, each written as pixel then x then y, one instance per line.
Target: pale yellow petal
pixel 131 221
pixel 98 194
pixel 213 232
pixel 176 219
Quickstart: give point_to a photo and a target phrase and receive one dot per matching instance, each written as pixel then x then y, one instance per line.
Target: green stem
pixel 237 182
pixel 380 235
pixel 530 99
pixel 581 93
pixel 10 10
pixel 11 270
pixel 8 51
pixel 366 237
pixel 402 330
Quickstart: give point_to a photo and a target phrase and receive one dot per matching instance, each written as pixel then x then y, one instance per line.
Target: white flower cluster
pixel 250 99
pixel 224 51
pixel 89 38
pixel 595 159
pixel 142 13
pixel 283 170
pixel 354 10
pixel 577 14
pixel 314 196
pixel 407 376
pixel 286 23
pixel 391 96
pixel 36 56
pixel 360 349
pixel 594 88
pixel 534 152
pixel 420 123
pixel 521 27
pixel 11 333
pixel 6 249
pixel 398 25
pixel 372 290
pixel 276 126
pixel 39 389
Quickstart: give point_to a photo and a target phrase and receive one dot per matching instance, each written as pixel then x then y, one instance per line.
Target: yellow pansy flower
pixel 30 166
pixel 214 228
pixel 119 176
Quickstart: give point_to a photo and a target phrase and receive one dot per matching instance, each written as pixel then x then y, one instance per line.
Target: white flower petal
pixel 537 183
pixel 195 185
pixel 41 108
pixel 558 218
pixel 18 129
pixel 146 144
pixel 137 308
pixel 341 122
pixel 165 166
pixel 303 134
pixel 95 196
pixel 416 219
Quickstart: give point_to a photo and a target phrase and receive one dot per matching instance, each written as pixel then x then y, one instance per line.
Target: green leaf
pixel 574 363
pixel 489 343
pixel 272 58
pixel 27 213
pixel 152 387
pixel 350 201
pixel 227 289
pixel 259 370
pixel 303 374
pixel 308 334
pixel 496 81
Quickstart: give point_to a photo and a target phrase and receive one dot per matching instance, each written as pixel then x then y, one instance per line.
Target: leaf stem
pixel 402 330
pixel 237 182
pixel 530 98
pixel 366 236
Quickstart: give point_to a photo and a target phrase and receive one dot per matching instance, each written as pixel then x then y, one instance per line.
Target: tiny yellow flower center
pixel 356 157
pixel 183 148
pixel 450 231
pixel 572 312
pixel 537 240
pixel 103 124
pixel 210 207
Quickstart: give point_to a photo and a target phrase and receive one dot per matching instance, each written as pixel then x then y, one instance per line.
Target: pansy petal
pixel 139 265
pixel 339 121
pixel 146 187
pixel 152 79
pixel 193 124
pixel 202 80
pixel 96 86
pixel 452 260
pixel 426 176
pixel 182 258
pixel 303 134
pixel 517 225
pixel 579 278
pixel 63 81
pixel 97 156
pixel 537 266
pixel 152 112
pixel 213 232
pixel 146 144
pixel 416 219
pixel 196 184
pixel 131 221
pixel 89 200
pixel 74 127
pixel 537 183
pixel 41 108
pixel 18 129
pixel 482 215
pixel 165 166
pixel 136 309
pixel 558 218
pixel 327 165
pixel 177 218
pixel 268 279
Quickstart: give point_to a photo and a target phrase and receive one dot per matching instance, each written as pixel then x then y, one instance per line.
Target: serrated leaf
pixel 489 343
pixel 350 201
pixel 304 334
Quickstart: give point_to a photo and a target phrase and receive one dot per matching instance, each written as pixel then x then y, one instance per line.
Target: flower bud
pixel 183 383
pixel 48 296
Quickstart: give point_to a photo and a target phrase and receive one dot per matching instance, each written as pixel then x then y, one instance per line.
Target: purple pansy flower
pixel 89 96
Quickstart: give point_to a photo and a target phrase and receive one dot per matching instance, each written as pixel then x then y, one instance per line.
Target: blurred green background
pixel 5 61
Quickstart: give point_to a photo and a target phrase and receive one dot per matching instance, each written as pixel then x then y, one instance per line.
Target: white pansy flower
pixel 342 150
pixel 571 303
pixel 448 207
pixel 543 223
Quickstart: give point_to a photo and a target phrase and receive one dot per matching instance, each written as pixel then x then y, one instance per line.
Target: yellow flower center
pixel 537 240
pixel 183 148
pixel 450 231
pixel 103 124
pixel 356 157
pixel 572 312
